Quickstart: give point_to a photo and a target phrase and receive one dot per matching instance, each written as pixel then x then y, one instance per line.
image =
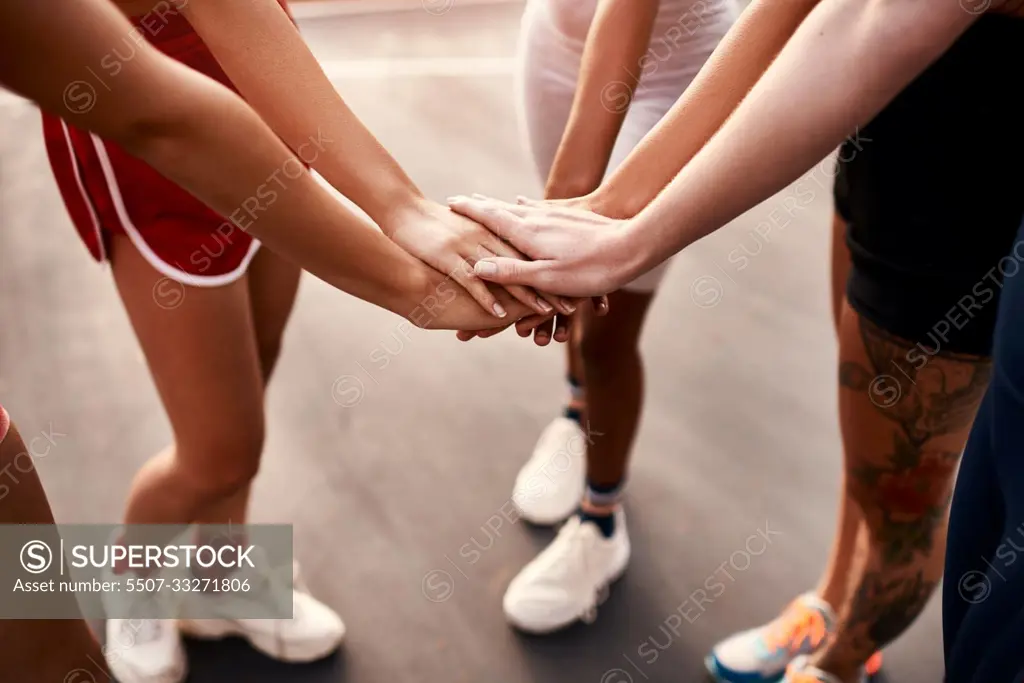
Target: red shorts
pixel 107 191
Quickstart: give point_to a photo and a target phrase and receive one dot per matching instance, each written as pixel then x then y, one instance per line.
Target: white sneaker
pixel 550 485
pixel 142 649
pixel 145 651
pixel 569 579
pixel 762 654
pixel 313 632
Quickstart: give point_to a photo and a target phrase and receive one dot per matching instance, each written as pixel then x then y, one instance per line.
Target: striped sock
pixel 602 496
pixel 577 396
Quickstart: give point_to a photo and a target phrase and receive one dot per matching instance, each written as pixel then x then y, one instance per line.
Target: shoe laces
pixel 798 623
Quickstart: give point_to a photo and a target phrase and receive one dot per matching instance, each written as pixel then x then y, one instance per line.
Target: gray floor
pixel 391 495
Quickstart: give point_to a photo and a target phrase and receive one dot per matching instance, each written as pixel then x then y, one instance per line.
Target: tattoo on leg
pixel 908 485
pixel 935 399
pixel 888 607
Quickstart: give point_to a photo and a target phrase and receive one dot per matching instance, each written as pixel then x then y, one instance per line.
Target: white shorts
pixel 551 44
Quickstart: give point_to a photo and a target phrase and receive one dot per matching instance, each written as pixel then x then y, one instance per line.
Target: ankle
pixel 589 508
pixel 577 404
pixel 830 661
pixel 603 496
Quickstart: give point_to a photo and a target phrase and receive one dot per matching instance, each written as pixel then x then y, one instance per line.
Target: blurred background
pixel 389 474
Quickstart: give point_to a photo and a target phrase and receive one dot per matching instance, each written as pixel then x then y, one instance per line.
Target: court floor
pixel 387 493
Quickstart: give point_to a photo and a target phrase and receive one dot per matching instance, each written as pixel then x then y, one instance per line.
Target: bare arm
pixel 266 58
pixel 732 70
pixel 263 54
pixel 618 37
pixel 874 48
pixel 203 137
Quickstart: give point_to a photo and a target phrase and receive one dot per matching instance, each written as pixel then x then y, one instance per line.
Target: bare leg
pixel 850 543
pixel 903 435
pixel 273 284
pixel 204 359
pixel 40 650
pixel 609 348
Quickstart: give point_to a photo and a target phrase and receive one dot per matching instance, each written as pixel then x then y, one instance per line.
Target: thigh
pixel 201 350
pixel 273 284
pixel 926 244
pixel 547 72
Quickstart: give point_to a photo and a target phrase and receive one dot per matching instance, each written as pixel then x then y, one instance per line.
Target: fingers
pixel 542 333
pixel 538 325
pixel 507 271
pixel 526 201
pixel 467 278
pixel 562 323
pixel 484 334
pixel 524 295
pixel 500 218
pixel 600 304
pixel 542 303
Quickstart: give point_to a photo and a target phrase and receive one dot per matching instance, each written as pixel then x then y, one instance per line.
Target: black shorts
pixel 933 192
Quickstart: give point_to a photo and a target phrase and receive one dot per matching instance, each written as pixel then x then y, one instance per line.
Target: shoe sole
pixel 716 674
pixel 548 629
pixel 126 673
pixel 309 651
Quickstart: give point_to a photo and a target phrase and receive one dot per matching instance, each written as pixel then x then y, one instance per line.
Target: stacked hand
pixel 571 250
pixel 452 244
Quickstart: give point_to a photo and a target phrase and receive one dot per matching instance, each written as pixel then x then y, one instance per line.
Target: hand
pixel 545 328
pixel 541 325
pixel 438 302
pixel 575 252
pixel 452 244
pixel 599 201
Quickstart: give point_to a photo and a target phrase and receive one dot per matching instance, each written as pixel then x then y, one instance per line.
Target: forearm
pixel 266 58
pixel 732 70
pixel 796 114
pixel 268 194
pixel 203 137
pixel 616 42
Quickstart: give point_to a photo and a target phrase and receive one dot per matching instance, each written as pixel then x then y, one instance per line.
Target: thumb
pixel 510 271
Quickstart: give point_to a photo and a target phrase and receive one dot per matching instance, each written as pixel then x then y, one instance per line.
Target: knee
pixel 603 353
pixel 225 462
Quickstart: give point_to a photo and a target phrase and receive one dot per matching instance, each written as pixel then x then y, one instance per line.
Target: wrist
pixel 411 286
pixel 570 189
pixel 406 207
pixel 615 203
pixel 384 197
pixel 632 255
